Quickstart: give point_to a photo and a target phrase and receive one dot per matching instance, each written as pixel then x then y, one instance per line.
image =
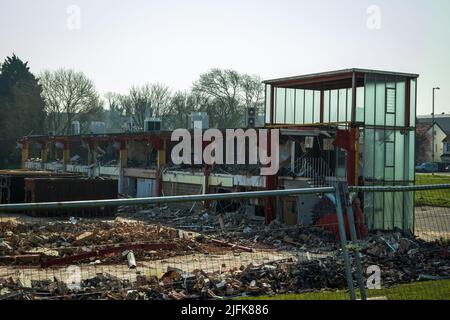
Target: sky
pixel 119 44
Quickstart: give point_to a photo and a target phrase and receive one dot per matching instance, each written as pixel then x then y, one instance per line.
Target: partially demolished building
pixel 352 125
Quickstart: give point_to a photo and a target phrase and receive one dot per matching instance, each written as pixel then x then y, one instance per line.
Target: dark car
pixel 427 167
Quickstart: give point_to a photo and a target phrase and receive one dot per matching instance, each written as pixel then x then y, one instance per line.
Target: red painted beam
pixel 408 104
pixel 322 95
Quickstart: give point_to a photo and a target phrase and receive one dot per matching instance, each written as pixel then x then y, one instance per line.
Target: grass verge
pixel 439 198
pixel 426 290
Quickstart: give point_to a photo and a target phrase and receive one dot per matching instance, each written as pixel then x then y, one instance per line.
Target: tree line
pixel 52 100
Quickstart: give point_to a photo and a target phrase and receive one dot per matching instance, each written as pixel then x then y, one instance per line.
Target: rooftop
pixel 332 79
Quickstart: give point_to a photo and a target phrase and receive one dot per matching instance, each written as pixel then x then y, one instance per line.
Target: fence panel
pixel 217 250
pixel 410 260
pixel 223 250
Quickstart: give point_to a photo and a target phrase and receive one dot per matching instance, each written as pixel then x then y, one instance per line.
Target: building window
pixel 390 100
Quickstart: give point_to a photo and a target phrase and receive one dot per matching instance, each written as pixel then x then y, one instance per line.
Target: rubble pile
pixel 401 257
pixel 270 279
pixel 243 228
pixel 30 243
pixel 404 259
pixel 281 237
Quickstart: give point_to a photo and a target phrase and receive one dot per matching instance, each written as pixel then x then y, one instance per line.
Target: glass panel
pixel 280 104
pixel 360 104
pixel 316 107
pixel 349 105
pixel 379 154
pixel 326 106
pixel 390 100
pixel 389 173
pixel 378 211
pixel 342 107
pixel 369 157
pixel 369 95
pixel 388 210
pixel 413 103
pixel 290 95
pixel 389 136
pixel 408 207
pixel 400 104
pixel 380 101
pixel 390 119
pixel 299 106
pixel 334 106
pixel 399 155
pixel 398 210
pixel 268 103
pixel 411 155
pixel 390 155
pixel 308 106
pixel 368 209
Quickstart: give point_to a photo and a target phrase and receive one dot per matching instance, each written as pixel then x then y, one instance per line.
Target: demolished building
pixel 351 125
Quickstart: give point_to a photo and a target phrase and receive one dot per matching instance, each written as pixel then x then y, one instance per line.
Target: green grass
pixel 440 198
pixel 427 290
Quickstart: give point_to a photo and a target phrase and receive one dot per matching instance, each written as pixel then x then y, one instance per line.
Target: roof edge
pixel 338 72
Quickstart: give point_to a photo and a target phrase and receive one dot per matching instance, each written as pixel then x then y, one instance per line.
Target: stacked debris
pixel 275 278
pixel 242 227
pixel 403 258
pixel 88 240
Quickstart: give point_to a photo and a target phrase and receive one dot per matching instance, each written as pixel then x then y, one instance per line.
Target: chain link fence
pixel 320 247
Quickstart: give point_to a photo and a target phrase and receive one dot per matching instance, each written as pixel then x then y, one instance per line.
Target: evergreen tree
pixel 21 107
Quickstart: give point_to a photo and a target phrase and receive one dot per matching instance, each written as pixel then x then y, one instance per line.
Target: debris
pixel 5 248
pixel 426 277
pixel 103 252
pixel 83 237
pixel 227 244
pixel 44 252
pixel 22 280
pixel 131 259
pixel 73 220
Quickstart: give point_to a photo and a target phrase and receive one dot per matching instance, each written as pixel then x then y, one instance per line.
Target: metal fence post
pixel 343 237
pixel 354 239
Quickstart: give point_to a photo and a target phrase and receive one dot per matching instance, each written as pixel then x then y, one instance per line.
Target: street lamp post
pixel 432 132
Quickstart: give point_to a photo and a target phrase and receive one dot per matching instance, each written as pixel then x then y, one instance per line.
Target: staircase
pixel 314 169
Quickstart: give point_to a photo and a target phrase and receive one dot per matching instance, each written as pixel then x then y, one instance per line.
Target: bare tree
pixel 160 97
pixel 252 92
pixel 182 104
pixel 69 96
pixel 228 94
pixel 147 100
pixel 115 111
pixel 221 87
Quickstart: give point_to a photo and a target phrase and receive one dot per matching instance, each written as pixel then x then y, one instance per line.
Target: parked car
pixel 427 167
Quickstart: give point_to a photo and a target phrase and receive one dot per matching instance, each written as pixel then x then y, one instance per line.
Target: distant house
pixel 441 146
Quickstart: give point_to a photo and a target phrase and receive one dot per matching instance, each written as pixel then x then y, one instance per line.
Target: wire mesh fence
pixel 413 262
pixel 223 250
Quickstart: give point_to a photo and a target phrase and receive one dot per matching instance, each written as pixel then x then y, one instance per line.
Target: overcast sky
pixel 123 43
